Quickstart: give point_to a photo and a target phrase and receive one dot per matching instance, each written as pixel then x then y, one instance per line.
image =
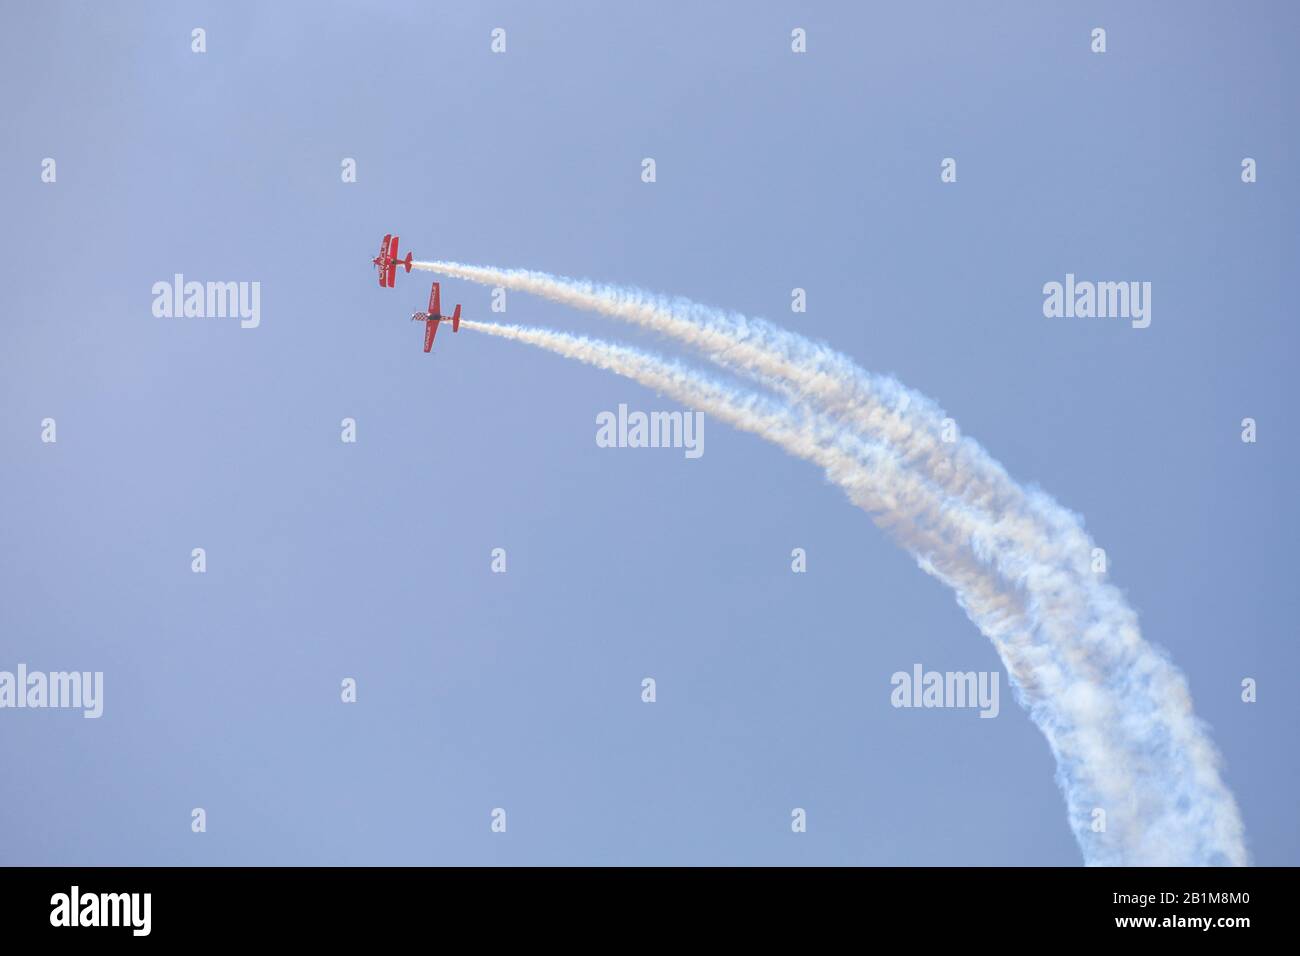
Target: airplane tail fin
pixel 409 257
pixel 455 319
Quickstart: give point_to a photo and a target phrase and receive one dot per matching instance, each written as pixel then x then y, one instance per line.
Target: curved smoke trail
pixel 1115 712
pixel 809 373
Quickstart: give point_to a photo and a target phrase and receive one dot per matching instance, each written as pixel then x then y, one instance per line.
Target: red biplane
pixel 387 261
pixel 434 316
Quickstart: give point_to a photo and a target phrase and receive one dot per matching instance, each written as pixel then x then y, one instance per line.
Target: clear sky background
pixel 522 690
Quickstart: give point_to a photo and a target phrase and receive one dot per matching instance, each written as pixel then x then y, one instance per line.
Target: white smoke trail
pixel 790 363
pixel 879 407
pixel 1115 712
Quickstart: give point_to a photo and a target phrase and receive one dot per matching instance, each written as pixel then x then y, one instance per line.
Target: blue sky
pixel 371 560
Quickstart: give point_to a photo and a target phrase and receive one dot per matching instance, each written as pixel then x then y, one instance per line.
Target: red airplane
pixel 434 316
pixel 387 261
